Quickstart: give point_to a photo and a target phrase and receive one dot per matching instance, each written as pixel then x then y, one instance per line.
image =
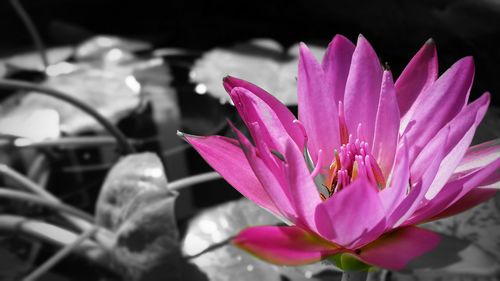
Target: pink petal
pixel 302 188
pixel 254 111
pixel 363 90
pixel 453 191
pixel 284 115
pixel 415 79
pixel 440 104
pixel 461 132
pixel 284 245
pixel 317 107
pixel 412 201
pixel 278 192
pixel 471 199
pixel 396 249
pixel 478 156
pixel 350 214
pixel 336 64
pixel 227 158
pixel 393 194
pixel 463 128
pixel 386 126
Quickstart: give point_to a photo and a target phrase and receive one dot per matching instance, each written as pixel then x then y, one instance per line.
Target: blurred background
pixel 154 67
pixel 396 29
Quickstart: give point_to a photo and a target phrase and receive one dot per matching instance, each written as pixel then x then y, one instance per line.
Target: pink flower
pixel 366 161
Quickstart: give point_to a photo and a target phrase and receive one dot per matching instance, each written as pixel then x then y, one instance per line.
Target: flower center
pixel 352 160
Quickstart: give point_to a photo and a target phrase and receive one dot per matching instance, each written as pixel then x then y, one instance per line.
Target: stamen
pixel 322 196
pixel 344 136
pixel 366 147
pixel 377 172
pixel 352 160
pixel 317 168
pixel 302 129
pixel 369 170
pixel 337 158
pixel 355 170
pixel 338 186
pixel 360 131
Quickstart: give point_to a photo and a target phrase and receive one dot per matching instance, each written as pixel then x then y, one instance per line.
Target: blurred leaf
pixel 33 61
pixel 97 46
pixel 226 262
pixel 137 206
pixel 113 92
pixel 263 62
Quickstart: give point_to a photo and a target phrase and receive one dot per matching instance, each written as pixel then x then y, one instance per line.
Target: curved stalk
pixel 192 180
pixel 66 250
pixel 54 205
pixel 48 233
pixel 33 187
pixel 35 35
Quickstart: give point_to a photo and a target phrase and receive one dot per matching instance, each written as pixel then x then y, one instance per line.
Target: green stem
pixel 354 275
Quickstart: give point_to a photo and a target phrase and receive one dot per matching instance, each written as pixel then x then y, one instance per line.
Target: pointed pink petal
pixel 271 182
pixel 396 249
pixel 317 107
pixel 412 201
pixel 386 126
pixel 284 245
pixel 336 64
pixel 478 156
pixel 459 128
pixel 471 199
pixel 363 90
pixel 462 129
pixel 416 78
pixel 227 158
pixel 254 111
pixel 350 214
pixel 440 104
pixel 284 115
pixel 302 187
pixel 453 191
pixel 467 121
pixel 396 190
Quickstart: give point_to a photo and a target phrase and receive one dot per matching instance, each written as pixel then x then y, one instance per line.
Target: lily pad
pixel 33 61
pixel 112 92
pixel 137 206
pixel 263 62
pixel 96 47
pixel 226 262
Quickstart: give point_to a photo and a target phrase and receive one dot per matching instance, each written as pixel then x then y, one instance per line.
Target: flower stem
pixel 354 275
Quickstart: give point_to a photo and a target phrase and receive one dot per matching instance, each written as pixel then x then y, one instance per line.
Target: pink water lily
pixel 365 162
